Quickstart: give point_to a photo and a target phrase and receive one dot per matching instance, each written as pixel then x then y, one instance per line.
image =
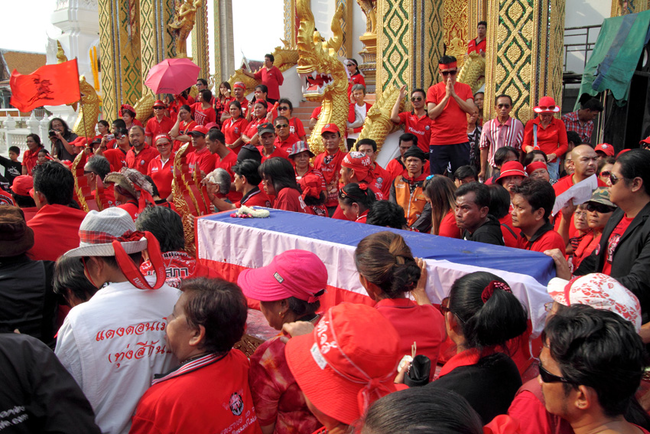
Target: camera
pixel 111 136
pixel 52 133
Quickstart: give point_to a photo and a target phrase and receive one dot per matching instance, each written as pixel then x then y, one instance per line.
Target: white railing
pixel 15 129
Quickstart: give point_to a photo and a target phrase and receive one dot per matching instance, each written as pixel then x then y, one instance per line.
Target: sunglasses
pixel 605 173
pixel 281 126
pixel 547 377
pixel 613 178
pixel 283 108
pixel 446 73
pixel 599 207
pixel 549 108
pixel 503 105
pixel 159 108
pixel 645 145
pixel 416 98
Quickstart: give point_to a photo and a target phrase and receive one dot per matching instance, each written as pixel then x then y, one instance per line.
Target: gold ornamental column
pixel 620 7
pixel 201 42
pixel 523 58
pixel 119 42
pixel 410 40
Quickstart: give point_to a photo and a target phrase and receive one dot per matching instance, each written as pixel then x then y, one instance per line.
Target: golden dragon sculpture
pixel 378 124
pixel 324 74
pixel 84 126
pixel 473 71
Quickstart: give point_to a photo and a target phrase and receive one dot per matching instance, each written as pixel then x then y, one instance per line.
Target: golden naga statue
pixel 144 107
pixel 184 20
pixel 285 58
pixel 84 126
pixel 473 71
pixel 369 8
pixel 324 74
pixel 378 124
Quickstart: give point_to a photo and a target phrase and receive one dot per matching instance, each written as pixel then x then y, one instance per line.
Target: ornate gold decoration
pixel 285 58
pixel 369 40
pixel 369 8
pixel 89 111
pixel 455 25
pixel 144 107
pixel 60 53
pixel 473 71
pixel 82 190
pixel 183 23
pixel 378 124
pixel 319 64
pixel 201 41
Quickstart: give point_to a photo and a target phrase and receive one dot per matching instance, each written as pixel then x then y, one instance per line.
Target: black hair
pixel 23 201
pixel 303 308
pixel 367 142
pixel 236 104
pixel 539 194
pixel 481 193
pixel 352 193
pixel 16 149
pixel 503 95
pixel 124 109
pixel 502 153
pixel 286 101
pixel 119 124
pixel 417 410
pixel 206 95
pixel 215 135
pixel 280 118
pixel 203 81
pixel 55 182
pixel 165 224
pixel 270 57
pixel 225 84
pixel 154 187
pixel 66 128
pixel 36 138
pixel 386 214
pixel 111 261
pixel 598 349
pixel 528 158
pixel 249 169
pixel 99 165
pixel 634 164
pixel 408 137
pixel 187 108
pixel 590 103
pixel 489 323
pixel 69 279
pixel 220 307
pixel 482 22
pixel 385 260
pixel 138 127
pixel 43 151
pixel 499 201
pixel 419 90
pixel 465 172
pixel 105 123
pixel 444 60
pixel 573 137
pixel 262 88
pixel 281 173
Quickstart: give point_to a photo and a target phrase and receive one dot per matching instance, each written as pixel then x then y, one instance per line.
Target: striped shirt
pixel 573 123
pixel 497 135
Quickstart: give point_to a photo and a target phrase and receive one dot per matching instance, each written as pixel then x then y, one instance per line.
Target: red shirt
pixel 544 239
pixel 162 175
pixel 277 152
pixel 551 140
pixel 296 127
pixel 255 197
pixel 29 212
pixel 201 160
pixel 381 180
pixel 154 127
pixel 117 158
pixel 30 159
pixel 529 409
pixel 286 144
pixel 587 245
pixel 352 115
pixel 251 128
pixel 56 230
pixel 272 79
pixel 183 130
pixel 140 161
pixel 179 265
pixel 450 128
pixel 132 208
pixel 221 107
pixel 472 46
pixel 448 227
pixel 330 166
pixel 562 185
pixel 613 241
pixel 203 116
pixel 509 232
pixel 289 200
pixel 418 126
pixel 233 129
pixel 316 113
pixel 423 324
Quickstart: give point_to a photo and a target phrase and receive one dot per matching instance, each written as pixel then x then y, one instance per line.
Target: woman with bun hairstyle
pixel 355 201
pixel 388 272
pixel 482 315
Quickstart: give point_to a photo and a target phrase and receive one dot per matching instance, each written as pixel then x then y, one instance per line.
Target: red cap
pixel 330 128
pixel 79 141
pixel 126 107
pixel 159 103
pixel 621 152
pixel 606 148
pixel 646 140
pixel 512 168
pixel 22 184
pixel 535 166
pixel 200 129
pixel 294 273
pixel 348 362
pixel 360 163
pixel 211 125
pixel 546 105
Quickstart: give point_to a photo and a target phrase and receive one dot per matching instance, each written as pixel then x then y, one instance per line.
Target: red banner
pixel 56 84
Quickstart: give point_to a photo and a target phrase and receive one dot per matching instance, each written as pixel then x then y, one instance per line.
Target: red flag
pixel 56 84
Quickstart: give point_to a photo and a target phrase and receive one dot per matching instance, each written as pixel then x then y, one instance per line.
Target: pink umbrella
pixel 172 76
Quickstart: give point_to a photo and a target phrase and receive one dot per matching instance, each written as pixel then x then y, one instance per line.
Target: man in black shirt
pixel 472 214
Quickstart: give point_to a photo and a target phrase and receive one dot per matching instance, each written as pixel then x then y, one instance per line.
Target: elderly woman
pixel 132 190
pixel 209 391
pixel 279 402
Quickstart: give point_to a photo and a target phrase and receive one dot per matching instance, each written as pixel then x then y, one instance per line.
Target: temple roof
pixel 24 62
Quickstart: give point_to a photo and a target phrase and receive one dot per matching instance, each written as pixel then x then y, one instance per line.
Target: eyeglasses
pixel 282 126
pixel 416 98
pixel 547 377
pixel 605 173
pixel 503 105
pixel 599 207
pixel 282 108
pixel 159 108
pixel 446 73
pixel 613 178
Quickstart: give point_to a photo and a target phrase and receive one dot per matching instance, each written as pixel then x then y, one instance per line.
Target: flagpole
pixel 82 103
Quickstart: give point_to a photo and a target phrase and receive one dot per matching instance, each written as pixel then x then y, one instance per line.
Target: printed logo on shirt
pixel 611 247
pixel 141 162
pixel 236 404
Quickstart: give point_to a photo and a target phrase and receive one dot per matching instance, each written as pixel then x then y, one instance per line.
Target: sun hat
pixel 199 129
pixel 293 273
pixel 359 162
pixel 347 363
pixel 546 105
pixel 330 128
pixel 536 165
pixel 414 151
pixel 600 195
pixel 15 236
pixel 159 103
pixel 266 127
pixel 122 182
pixel 299 147
pixel 599 291
pixel 511 168
pixel 22 184
pixel 112 232
pixel 606 148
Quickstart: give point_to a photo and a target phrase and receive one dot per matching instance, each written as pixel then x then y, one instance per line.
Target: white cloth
pixel 360 111
pixel 113 345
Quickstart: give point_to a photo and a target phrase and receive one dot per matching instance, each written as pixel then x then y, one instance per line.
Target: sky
pixel 15 35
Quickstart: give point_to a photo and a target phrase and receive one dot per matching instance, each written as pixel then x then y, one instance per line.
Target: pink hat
pixel 512 168
pixel 535 166
pixel 330 128
pixel 546 105
pixel 294 273
pixel 599 291
pixel 199 129
pixel 606 148
pixel 359 162
pixel 348 362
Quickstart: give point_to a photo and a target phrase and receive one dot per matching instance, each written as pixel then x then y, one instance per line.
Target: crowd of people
pixel 109 325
